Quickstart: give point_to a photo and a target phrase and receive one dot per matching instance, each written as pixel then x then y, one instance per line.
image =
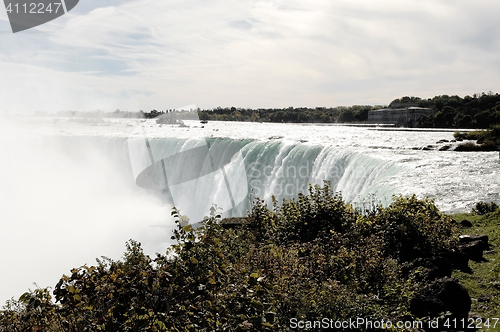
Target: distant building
pixel 404 117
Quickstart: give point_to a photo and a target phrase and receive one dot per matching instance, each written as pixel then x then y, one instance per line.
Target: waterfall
pixel 196 173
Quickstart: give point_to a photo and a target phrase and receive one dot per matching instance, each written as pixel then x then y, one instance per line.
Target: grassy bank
pixel 486 140
pixel 483 283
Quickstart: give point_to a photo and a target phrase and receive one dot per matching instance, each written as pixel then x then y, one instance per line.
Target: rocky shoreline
pixel 457 145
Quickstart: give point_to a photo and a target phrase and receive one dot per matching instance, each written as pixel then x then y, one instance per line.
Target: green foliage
pixel 472 135
pixel 482 208
pixel 307 258
pixel 487 140
pixel 356 113
pixel 476 147
pixel 414 228
pixel 33 311
pixel 478 111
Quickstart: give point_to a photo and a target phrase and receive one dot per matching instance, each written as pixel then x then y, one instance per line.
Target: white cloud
pixel 147 54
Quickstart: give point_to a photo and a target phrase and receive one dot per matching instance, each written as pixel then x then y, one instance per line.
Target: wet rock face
pixel 445 294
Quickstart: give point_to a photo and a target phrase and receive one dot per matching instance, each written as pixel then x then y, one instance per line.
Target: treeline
pixel 356 113
pixel 305 259
pixel 478 111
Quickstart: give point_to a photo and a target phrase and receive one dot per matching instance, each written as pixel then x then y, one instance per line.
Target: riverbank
pixel 483 281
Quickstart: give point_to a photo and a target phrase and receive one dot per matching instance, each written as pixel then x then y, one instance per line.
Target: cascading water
pixel 197 173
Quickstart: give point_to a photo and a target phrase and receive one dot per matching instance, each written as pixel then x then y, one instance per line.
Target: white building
pixel 405 117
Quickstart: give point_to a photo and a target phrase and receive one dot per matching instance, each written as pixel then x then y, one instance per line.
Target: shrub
pixel 482 208
pixel 307 258
pixel 412 228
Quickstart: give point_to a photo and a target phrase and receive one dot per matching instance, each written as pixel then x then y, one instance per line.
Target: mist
pixel 65 201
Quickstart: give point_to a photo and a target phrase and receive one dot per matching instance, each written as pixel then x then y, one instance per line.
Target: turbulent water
pixel 73 191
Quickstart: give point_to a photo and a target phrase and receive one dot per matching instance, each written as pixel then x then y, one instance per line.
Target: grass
pixel 472 135
pixel 485 277
pixel 470 146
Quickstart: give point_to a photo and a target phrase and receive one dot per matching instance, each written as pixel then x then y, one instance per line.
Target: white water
pixel 69 192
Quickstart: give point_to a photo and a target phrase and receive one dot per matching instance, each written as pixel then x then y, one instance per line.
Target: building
pixel 404 117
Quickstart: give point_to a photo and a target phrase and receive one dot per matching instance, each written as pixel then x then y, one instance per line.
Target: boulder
pixel 426 306
pixel 445 294
pixel 474 250
pixel 473 245
pixel 462 239
pixel 454 296
pixel 458 259
pixel 466 223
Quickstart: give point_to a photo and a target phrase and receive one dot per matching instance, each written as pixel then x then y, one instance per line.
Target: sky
pixel 139 55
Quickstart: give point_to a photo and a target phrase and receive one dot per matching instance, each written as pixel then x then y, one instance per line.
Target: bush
pixel 308 258
pixel 482 208
pixel 486 146
pixel 412 228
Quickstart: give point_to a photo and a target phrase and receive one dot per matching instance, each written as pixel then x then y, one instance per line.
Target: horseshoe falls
pixel 71 191
pixel 195 174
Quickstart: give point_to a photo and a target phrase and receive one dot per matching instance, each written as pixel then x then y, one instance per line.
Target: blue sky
pixel 142 54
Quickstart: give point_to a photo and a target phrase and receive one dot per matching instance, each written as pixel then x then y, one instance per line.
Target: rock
pixel 466 223
pixel 473 245
pixel 458 260
pixel 445 147
pixel 473 249
pixel 454 296
pixel 445 294
pixel 471 238
pixel 424 306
